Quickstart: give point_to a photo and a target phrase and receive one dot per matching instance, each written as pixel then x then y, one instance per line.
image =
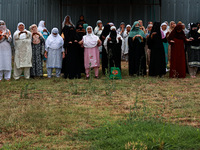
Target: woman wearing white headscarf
pixel 42 29
pixel 23 51
pixel 91 52
pixel 114 45
pixel 99 28
pixel 165 44
pixel 54 52
pixel 5 52
pixel 126 46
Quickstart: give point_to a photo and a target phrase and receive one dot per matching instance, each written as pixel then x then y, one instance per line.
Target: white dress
pixel 5 55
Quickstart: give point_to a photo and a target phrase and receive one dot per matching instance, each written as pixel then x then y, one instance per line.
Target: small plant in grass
pixel 24 92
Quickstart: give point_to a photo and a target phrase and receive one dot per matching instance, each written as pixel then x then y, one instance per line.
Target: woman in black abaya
pixel 155 41
pixel 72 63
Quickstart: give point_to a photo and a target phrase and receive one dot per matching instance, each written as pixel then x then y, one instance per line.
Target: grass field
pixel 133 113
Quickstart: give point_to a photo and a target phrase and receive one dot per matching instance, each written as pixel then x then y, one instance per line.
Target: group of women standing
pixel 77 49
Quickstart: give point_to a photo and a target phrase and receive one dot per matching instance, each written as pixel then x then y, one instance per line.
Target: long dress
pixel 5 56
pixel 81 52
pixel 37 58
pixel 137 59
pixel 178 61
pixel 72 63
pixel 157 65
pixel 114 54
pixel 104 34
pixel 91 58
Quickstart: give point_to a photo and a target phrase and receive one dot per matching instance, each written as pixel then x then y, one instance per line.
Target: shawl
pixel 90 40
pixel 136 31
pixel 54 41
pixel 177 35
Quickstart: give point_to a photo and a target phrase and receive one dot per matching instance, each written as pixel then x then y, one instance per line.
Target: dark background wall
pixel 54 11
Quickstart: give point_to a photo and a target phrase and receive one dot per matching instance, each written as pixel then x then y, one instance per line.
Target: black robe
pixel 64 31
pixel 114 54
pixel 81 52
pixel 157 65
pixel 72 62
pixel 104 34
pixel 137 58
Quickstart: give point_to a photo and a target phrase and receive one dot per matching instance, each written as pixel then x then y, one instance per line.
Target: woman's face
pixel 67 19
pixel 21 27
pixel 89 30
pixel 122 26
pixel 164 27
pixel 34 29
pixel 128 29
pixel 137 25
pixel 2 23
pixel 173 24
pixel 55 34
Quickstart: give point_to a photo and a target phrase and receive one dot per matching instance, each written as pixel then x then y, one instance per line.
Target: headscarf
pixel 23 35
pixel 113 34
pixel 177 35
pixel 156 28
pixel 4 31
pixel 3 28
pixel 170 26
pixel 36 37
pixel 99 21
pixel 111 24
pixel 136 31
pixel 70 21
pixel 105 31
pixel 90 40
pixel 54 41
pixel 164 31
pixel 81 20
pixel 186 31
pixel 194 34
pixel 41 26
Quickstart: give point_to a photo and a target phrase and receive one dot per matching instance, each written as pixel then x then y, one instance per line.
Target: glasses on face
pixel 1 24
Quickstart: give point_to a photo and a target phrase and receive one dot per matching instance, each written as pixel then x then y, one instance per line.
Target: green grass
pixel 141 135
pixel 50 113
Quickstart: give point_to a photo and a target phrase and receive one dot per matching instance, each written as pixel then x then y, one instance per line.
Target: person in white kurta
pixel 5 52
pixel 54 52
pixel 23 52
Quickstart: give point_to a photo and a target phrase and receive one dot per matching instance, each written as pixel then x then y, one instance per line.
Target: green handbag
pixel 115 73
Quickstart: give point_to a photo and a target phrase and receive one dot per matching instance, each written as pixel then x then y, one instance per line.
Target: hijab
pixel 156 28
pixel 164 31
pixel 113 34
pixel 54 41
pixel 64 21
pixel 23 35
pixel 136 31
pixel 90 40
pixel 41 26
pixel 3 28
pixel 105 31
pixel 177 35
pixel 194 34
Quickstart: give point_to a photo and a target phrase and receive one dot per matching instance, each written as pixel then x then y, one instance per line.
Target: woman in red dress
pixel 177 40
